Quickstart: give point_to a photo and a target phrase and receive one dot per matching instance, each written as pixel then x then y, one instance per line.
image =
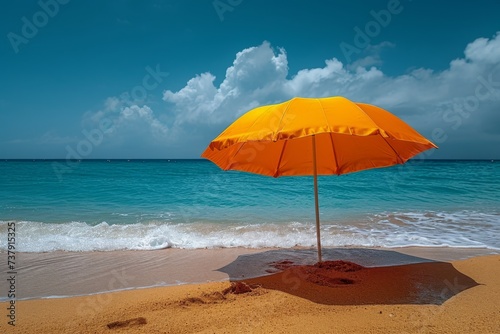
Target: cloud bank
pixel 457 105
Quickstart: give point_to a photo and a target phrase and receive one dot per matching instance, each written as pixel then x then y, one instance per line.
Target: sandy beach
pixel 426 296
pixel 229 166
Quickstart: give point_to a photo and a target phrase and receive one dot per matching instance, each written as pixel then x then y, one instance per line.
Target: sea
pixel 107 205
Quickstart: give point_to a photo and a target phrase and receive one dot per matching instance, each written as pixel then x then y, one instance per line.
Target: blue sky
pixel 160 79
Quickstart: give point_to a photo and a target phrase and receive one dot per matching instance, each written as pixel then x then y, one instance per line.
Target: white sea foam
pixel 426 229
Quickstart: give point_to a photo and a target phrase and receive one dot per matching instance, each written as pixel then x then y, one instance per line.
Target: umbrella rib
pixel 279 160
pixel 324 115
pixel 379 129
pixel 236 153
pixel 380 133
pixel 330 132
pixel 255 121
pixel 334 154
pixel 401 160
pixel 283 116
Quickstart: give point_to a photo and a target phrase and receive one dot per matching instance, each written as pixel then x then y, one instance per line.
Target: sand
pixel 62 274
pixel 430 297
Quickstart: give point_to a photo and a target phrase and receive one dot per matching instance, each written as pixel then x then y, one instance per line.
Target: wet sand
pixel 63 274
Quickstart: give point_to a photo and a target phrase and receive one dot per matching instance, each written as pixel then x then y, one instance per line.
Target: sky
pixel 158 79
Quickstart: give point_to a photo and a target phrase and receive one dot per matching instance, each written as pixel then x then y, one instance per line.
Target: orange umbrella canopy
pixel 307 136
pixel 276 140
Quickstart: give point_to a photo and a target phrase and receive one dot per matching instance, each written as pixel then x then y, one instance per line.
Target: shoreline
pixel 68 274
pixel 460 296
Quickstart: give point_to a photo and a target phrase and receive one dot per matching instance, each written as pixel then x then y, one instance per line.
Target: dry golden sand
pixel 436 297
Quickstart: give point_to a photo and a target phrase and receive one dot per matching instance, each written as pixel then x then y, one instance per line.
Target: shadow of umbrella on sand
pixel 376 277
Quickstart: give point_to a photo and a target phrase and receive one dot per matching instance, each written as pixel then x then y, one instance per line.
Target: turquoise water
pixel 151 204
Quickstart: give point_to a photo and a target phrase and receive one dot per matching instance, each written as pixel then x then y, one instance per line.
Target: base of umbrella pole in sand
pixel 315 170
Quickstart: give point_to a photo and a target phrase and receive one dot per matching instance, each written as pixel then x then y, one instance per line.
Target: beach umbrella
pixel 315 136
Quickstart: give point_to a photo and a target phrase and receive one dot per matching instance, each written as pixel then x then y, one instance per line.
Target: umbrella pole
pixel 315 170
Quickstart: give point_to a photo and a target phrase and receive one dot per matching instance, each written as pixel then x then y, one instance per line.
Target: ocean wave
pixel 425 229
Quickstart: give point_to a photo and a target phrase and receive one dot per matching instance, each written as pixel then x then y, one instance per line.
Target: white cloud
pixel 124 123
pixel 142 114
pixel 257 74
pixel 463 99
pixel 111 103
pixel 427 99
